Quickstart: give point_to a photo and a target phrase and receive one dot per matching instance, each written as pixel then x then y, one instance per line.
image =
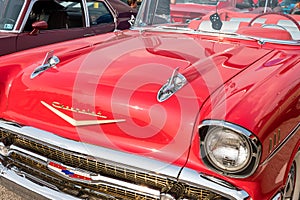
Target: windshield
pixel 9 13
pixel 259 19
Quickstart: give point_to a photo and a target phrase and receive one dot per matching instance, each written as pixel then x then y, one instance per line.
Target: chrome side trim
pixel 286 139
pixel 192 177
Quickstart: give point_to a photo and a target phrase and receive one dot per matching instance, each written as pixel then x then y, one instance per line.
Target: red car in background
pixel 186 10
pixel 192 9
pixel 29 23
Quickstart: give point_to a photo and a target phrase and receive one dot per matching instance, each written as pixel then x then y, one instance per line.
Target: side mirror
pixel 37 26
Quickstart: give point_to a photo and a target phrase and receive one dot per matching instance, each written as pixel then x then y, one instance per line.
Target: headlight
pixel 228 148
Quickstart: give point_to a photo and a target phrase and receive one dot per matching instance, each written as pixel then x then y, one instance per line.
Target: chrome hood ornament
pixel 50 60
pixel 175 83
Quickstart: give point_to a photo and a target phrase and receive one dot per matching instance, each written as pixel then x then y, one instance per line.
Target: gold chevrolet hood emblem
pixel 74 122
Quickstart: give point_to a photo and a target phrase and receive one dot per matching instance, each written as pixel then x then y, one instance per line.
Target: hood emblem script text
pixel 74 122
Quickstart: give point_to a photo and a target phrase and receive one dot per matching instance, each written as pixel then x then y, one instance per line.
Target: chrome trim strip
pixel 22 181
pixel 227 125
pixel 19 18
pixel 2 31
pixel 86 14
pixel 286 139
pixel 194 178
pixel 37 158
pixel 26 16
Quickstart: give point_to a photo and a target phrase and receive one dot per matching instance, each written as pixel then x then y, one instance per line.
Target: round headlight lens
pixel 227 150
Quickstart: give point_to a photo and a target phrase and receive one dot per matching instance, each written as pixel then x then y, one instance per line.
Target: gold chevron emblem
pixel 74 122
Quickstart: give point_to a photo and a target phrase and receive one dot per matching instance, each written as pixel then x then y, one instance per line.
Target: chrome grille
pixel 89 164
pixel 82 190
pixel 90 191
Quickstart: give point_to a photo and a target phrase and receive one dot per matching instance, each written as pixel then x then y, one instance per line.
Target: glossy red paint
pixel 107 84
pixel 277 118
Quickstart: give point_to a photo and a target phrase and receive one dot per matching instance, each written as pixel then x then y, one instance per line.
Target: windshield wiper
pixel 260 41
pixel 172 28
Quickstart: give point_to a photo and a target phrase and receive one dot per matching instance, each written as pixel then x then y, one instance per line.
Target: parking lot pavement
pixel 6 194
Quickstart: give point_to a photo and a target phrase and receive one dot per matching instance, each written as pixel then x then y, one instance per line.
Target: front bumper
pixel 57 168
pixel 28 189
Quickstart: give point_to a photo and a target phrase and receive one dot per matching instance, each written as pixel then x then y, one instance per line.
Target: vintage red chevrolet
pixel 203 109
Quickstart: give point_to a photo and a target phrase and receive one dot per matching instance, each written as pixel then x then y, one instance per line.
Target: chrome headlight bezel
pixel 229 149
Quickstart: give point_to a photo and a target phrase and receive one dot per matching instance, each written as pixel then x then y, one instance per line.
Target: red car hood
pixel 120 82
